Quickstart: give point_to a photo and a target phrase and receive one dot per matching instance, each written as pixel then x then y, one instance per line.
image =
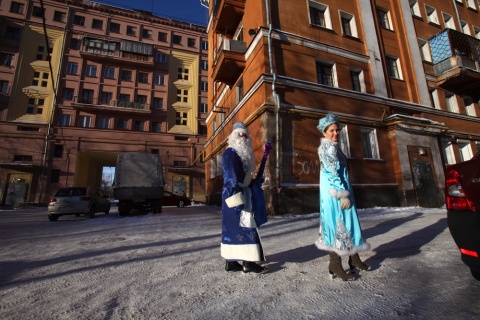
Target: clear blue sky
pixel 185 10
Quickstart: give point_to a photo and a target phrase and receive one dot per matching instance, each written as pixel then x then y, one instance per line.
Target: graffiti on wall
pixel 307 167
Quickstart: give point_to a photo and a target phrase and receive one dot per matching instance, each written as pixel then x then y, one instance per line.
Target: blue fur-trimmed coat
pixel 238 243
pixel 340 229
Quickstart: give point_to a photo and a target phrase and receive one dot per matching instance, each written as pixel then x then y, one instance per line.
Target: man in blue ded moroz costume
pixel 340 232
pixel 243 205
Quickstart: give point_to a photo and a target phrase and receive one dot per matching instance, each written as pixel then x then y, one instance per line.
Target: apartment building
pixel 403 77
pixel 83 81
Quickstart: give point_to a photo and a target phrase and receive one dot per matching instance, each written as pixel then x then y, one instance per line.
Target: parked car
pixel 77 200
pixel 172 199
pixel 462 194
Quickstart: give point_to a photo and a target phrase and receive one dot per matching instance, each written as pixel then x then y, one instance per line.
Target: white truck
pixel 138 183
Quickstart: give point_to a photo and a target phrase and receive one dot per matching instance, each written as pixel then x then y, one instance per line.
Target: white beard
pixel 243 147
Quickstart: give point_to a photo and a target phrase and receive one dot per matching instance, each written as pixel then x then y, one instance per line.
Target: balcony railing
pixel 95 102
pixel 456 62
pixel 229 61
pixel 228 15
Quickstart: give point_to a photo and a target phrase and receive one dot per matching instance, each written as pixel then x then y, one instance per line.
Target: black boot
pixel 233 266
pixel 253 267
pixel 355 262
pixel 335 268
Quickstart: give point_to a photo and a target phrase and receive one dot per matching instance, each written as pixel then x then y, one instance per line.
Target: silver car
pixel 77 200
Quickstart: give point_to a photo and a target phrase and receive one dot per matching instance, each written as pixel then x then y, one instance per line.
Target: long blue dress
pixel 238 243
pixel 340 229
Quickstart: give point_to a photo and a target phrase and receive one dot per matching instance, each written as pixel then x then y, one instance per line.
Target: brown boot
pixel 335 268
pixel 355 262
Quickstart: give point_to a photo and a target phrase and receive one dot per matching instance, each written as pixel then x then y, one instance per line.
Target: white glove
pixel 344 203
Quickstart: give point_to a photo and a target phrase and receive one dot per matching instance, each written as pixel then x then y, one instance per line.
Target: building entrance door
pixel 423 175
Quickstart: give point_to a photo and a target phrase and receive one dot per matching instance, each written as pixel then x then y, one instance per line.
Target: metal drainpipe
pixel 275 97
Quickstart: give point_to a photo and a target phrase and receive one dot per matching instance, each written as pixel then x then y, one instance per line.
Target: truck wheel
pixel 107 211
pixel 91 214
pixel 52 217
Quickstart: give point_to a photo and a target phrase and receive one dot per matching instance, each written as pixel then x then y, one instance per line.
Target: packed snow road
pixel 167 266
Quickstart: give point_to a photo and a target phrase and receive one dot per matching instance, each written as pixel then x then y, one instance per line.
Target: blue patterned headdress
pixel 239 127
pixel 328 120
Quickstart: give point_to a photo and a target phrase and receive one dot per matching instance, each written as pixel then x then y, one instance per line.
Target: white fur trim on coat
pixel 236 200
pixel 338 193
pixel 245 252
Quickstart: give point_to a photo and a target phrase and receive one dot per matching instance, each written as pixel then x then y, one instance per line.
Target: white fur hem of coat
pixel 364 247
pixel 339 193
pixel 245 252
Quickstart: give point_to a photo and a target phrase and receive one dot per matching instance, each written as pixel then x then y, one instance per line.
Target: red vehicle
pixel 172 199
pixel 462 194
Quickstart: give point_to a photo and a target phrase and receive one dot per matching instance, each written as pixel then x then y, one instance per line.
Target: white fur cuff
pixel 339 193
pixel 235 200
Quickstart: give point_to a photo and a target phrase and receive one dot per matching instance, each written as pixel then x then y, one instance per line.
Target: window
pixel 239 91
pixel 37 12
pixel 325 74
pixel 58 150
pixel 114 27
pixel 158 103
pixel 465 149
pixel 159 79
pixel 16 7
pixel 177 39
pixel 161 58
pixel 143 77
pixel 203 107
pixel 465 28
pixel 124 97
pixel 182 73
pixel 393 68
pixel 369 143
pixel 59 16
pixel 75 44
pixel 415 8
pixel 12 33
pixel 476 30
pixel 192 43
pixel 204 45
pixel 126 75
pixel 469 106
pixel 343 141
pixel 139 125
pixel 447 149
pixel 55 176
pixel 72 68
pixel 102 123
pixel 182 95
pixel 122 124
pixel 452 104
pixel 3 87
pixel 432 16
pixel 146 34
pixel 434 98
pixel 204 64
pixel 105 98
pixel 384 19
pixel 162 37
pixel 64 120
pixel 22 157
pixel 181 118
pixel 424 50
pixel 109 73
pixel 142 99
pixel 471 4
pixel 203 85
pixel 68 94
pixel 319 15
pixel 91 71
pixel 6 59
pixel 156 127
pixel 131 31
pixel 349 26
pixel 449 23
pixel 202 130
pixel 87 96
pixel 97 24
pixel 358 82
pixel 79 20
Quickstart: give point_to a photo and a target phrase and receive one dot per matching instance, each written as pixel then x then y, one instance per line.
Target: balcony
pixel 110 105
pixel 229 61
pixel 229 14
pixel 456 62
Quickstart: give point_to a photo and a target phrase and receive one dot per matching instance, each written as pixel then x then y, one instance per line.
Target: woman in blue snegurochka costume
pixel 340 232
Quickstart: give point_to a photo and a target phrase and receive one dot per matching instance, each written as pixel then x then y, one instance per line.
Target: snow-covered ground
pixel 168 266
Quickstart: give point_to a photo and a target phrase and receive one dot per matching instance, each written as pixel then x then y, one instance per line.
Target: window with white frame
pixel 203 85
pixel 343 141
pixel 393 67
pixel 219 165
pixel 203 107
pixel 434 98
pixel 358 80
pixel 102 122
pixel 159 79
pixel 415 8
pixel 384 18
pixel 349 25
pixel 161 58
pixel 471 4
pixel 84 121
pixel 449 22
pixel 72 68
pixel 212 169
pixel 465 149
pixel 465 28
pixel 369 143
pixel 326 74
pixel 4 86
pixel 432 15
pixel 425 50
pixel 447 149
pixel 460 1
pixel 469 106
pixel 64 120
pixel 319 14
pixel 91 71
pixel 476 30
pixel 452 103
pixel 204 65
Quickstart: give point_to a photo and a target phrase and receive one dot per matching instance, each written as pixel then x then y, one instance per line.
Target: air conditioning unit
pixel 234 45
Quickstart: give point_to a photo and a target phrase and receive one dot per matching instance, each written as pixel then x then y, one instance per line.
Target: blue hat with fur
pixel 328 120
